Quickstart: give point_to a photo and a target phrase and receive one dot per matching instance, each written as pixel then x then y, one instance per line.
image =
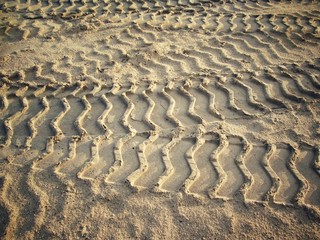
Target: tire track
pixel 211 99
pixel 201 18
pixel 277 174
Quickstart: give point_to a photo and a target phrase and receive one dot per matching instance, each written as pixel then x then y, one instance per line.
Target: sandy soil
pixel 185 119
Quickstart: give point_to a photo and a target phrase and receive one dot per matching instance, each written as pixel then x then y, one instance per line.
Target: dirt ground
pixel 163 119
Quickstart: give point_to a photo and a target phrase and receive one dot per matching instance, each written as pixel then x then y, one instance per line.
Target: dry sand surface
pixel 162 119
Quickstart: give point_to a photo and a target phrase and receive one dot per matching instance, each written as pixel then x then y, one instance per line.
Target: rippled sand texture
pixel 185 119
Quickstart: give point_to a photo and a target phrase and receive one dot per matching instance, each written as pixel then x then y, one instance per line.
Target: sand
pixel 186 119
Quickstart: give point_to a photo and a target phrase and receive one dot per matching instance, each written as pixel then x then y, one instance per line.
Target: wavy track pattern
pixel 45 18
pixel 144 55
pixel 189 135
pixel 231 115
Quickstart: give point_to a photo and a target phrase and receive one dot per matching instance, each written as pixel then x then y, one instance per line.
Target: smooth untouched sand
pixel 159 119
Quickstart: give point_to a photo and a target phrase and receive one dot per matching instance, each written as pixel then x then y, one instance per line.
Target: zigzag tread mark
pixel 285 181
